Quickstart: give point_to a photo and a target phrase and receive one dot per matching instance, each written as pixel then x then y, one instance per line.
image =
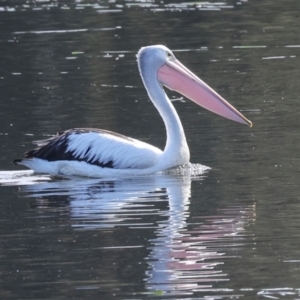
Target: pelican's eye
pixel 170 55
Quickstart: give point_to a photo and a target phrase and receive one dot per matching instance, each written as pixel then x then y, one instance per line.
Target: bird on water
pixel 101 153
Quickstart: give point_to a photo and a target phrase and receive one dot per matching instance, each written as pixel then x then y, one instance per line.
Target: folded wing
pixel 97 147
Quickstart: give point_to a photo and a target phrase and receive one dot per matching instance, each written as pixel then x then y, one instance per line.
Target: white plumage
pixel 125 153
pixel 101 153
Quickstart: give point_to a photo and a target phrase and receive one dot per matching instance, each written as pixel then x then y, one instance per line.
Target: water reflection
pixel 187 257
pixel 185 254
pixel 98 203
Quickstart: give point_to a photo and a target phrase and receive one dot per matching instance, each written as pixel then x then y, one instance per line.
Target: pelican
pixel 101 153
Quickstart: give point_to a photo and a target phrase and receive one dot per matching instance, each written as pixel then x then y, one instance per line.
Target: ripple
pixel 26 177
pixel 113 7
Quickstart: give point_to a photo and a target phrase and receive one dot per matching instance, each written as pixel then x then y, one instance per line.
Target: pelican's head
pixel 175 76
pixel 155 56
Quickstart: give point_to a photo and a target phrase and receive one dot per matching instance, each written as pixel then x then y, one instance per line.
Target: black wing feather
pixel 55 148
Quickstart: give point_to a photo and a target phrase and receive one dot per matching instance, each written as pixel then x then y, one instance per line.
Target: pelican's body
pixel 101 153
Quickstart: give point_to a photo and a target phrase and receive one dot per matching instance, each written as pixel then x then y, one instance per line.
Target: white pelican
pixel 102 153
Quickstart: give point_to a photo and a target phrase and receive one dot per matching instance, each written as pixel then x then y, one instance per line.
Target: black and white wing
pixel 98 147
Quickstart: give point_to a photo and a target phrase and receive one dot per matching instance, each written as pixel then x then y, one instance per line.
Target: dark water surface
pixel 231 232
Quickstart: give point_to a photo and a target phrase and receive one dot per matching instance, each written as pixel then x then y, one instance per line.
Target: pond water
pixel 231 231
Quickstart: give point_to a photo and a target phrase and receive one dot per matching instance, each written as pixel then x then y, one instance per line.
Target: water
pixel 228 232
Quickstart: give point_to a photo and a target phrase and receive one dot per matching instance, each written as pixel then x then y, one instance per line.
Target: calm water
pixel 229 232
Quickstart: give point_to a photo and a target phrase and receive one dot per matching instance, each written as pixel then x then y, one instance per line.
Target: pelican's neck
pixel 176 151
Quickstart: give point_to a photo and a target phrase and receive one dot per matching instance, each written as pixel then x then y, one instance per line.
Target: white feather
pixel 104 147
